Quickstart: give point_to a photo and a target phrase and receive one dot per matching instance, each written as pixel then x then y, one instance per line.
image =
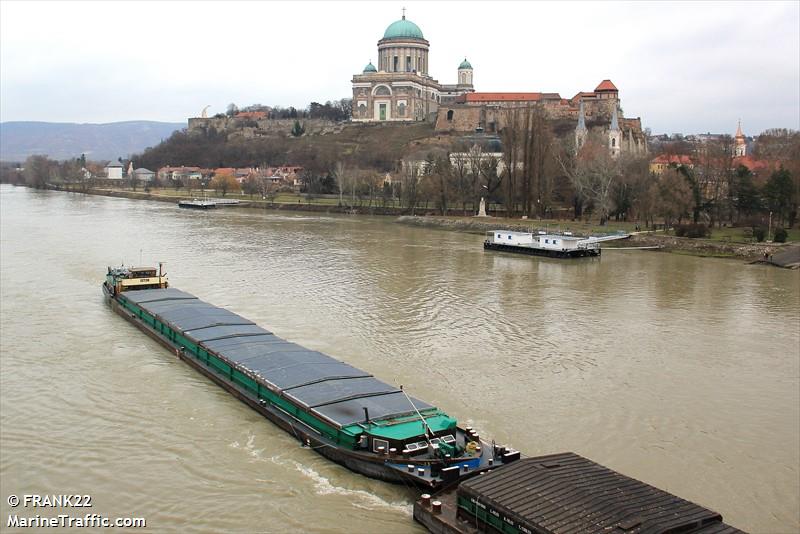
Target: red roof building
pixel 660 163
pixel 606 85
pixel 502 97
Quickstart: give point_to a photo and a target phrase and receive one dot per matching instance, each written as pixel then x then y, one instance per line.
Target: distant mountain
pixel 64 140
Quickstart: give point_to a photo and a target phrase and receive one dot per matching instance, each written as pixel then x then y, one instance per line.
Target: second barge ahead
pixel 342 412
pixel 544 244
pixel 197 204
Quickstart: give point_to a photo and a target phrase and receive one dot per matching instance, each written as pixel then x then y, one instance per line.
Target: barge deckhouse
pixel 342 412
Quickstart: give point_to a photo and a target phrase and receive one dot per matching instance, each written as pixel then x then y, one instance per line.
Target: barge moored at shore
pixel 197 204
pixel 342 412
pixel 544 244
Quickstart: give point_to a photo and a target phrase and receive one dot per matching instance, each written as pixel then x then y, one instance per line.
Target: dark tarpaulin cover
pixel 240 352
pixel 328 387
pixel 225 332
pixel 339 390
pixel 152 295
pixel 352 411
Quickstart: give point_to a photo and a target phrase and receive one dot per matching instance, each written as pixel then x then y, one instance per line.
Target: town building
pixel 663 161
pixel 590 110
pixel 166 174
pixel 113 171
pixel 400 88
pixel 144 175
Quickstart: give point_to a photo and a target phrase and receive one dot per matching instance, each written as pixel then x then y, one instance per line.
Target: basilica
pixel 400 87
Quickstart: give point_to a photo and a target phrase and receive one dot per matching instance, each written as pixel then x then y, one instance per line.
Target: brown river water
pixel 678 371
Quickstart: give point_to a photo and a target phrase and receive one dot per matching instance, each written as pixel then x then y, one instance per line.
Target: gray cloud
pixel 681 66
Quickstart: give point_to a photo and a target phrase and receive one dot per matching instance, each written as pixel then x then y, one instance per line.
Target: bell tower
pixel 465 73
pixel 740 143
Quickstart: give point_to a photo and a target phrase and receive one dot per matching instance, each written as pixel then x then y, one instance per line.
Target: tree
pixel 250 186
pixel 512 161
pixel 231 110
pixel 631 190
pixel 675 196
pixel 409 175
pixel 298 129
pixel 537 138
pixel 224 183
pixel 340 172
pixel 593 173
pixel 177 183
pixel 748 200
pixel 778 193
pixel 38 171
pixel 460 173
pixel 440 177
pixel 716 180
pixel 567 158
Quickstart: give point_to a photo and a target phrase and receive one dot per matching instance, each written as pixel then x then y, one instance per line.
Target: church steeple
pixel 614 121
pixel 580 130
pixel 614 134
pixel 739 142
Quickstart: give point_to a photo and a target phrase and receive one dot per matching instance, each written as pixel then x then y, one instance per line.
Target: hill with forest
pixel 373 146
pixel 60 140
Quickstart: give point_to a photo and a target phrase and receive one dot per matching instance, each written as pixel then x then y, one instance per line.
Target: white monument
pixel 482 209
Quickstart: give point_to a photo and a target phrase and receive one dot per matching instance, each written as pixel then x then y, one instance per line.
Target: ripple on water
pixel 679 371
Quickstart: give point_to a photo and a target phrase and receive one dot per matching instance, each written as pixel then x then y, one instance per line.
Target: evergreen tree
pixel 748 200
pixel 778 194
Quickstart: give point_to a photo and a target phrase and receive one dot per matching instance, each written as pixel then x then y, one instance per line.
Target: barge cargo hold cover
pixel 334 391
pixel 560 494
pixel 342 412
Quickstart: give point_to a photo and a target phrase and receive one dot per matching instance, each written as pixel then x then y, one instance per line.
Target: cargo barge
pixel 544 244
pixel 561 494
pixel 342 412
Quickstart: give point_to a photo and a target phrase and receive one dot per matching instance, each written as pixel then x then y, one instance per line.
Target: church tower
pixel 580 130
pixel 614 135
pixel 740 143
pixel 465 73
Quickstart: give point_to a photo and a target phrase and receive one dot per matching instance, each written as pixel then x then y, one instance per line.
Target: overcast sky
pixel 680 66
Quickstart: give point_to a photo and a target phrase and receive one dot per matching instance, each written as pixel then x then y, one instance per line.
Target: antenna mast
pixel 424 422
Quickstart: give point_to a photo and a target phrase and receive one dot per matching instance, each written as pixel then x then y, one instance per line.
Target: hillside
pixel 18 140
pixel 377 146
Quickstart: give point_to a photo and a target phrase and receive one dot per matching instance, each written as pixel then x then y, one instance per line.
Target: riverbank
pixel 664 242
pixel 709 248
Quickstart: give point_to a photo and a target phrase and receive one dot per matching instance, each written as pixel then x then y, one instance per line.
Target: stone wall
pixel 464 118
pixel 249 128
pixel 468 117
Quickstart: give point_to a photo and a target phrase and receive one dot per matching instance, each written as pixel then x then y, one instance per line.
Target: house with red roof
pixel 661 162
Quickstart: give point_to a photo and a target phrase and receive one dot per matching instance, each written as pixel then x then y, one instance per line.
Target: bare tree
pixel 675 196
pixel 593 173
pixel 410 175
pixel 567 158
pixel 461 172
pixel 510 137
